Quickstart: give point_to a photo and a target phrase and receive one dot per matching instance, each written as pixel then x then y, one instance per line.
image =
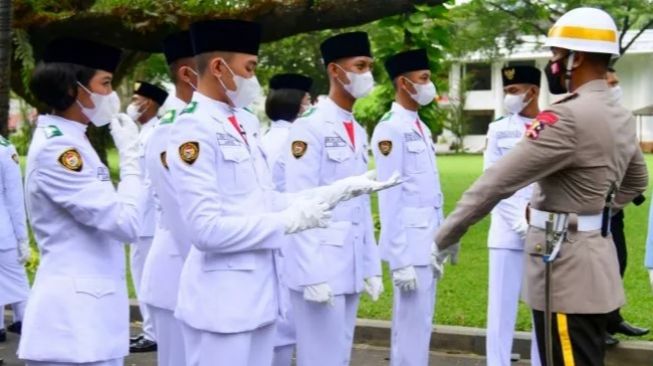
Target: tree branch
pixel 518 17
pixel 639 33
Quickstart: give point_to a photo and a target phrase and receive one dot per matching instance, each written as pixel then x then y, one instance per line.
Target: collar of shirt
pixel 175 103
pixel 412 116
pixel 214 107
pixel 67 126
pixel 521 120
pixel 280 123
pixel 342 115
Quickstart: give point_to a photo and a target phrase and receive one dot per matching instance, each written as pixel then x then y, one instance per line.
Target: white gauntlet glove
pixel 405 278
pixel 374 287
pixel 304 214
pixel 24 252
pixel 320 293
pixel 350 187
pixel 440 257
pixel 125 135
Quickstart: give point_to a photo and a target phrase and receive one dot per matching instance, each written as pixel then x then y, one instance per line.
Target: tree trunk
pixel 5 62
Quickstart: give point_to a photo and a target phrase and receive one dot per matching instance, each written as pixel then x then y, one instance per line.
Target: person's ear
pixel 579 58
pixel 216 66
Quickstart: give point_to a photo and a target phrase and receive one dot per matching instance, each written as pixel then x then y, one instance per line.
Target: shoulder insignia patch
pixel 52 131
pixel 15 158
pixel 499 118
pixel 308 112
pixel 4 141
pixel 567 98
pixel 298 149
pixel 189 152
pixel 168 117
pixel 385 147
pixel 190 108
pixel 543 119
pixel 164 160
pixel 71 160
pixel 386 116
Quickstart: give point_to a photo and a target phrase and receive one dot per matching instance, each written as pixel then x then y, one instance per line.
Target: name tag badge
pixel 509 134
pixel 225 139
pixel 103 174
pixel 412 136
pixel 334 141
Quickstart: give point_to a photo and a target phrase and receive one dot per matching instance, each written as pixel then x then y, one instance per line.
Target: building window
pixel 521 63
pixel 478 121
pixel 479 76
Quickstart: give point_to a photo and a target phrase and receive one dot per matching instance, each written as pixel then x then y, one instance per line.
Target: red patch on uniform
pixel 543 119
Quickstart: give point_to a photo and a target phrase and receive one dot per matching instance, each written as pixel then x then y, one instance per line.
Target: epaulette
pixel 308 112
pixel 4 141
pixel 386 116
pixel 52 131
pixel 190 108
pixel 567 98
pixel 168 117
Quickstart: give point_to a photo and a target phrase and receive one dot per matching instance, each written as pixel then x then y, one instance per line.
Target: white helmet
pixel 586 30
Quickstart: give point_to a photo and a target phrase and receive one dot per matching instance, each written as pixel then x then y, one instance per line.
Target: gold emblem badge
pixel 299 149
pixel 509 73
pixel 15 157
pixel 189 151
pixel 538 248
pixel 385 147
pixel 164 161
pixel 71 160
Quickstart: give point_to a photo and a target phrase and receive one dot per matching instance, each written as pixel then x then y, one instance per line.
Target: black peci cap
pixel 151 91
pixel 344 45
pixel 83 52
pixel 407 61
pixel 291 81
pixel 229 35
pixel 177 46
pixel 521 75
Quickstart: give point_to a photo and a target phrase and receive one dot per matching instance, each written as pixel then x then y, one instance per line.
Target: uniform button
pixel 538 248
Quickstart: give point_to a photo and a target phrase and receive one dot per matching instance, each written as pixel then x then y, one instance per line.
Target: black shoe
pixel 137 338
pixel 142 346
pixel 3 335
pixel 630 330
pixel 610 341
pixel 15 327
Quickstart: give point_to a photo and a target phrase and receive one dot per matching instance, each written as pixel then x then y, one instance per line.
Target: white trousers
pixel 325 333
pixel 113 362
pixel 138 254
pixel 14 287
pixel 18 309
pixel 505 280
pixel 170 341
pixel 252 348
pixel 412 321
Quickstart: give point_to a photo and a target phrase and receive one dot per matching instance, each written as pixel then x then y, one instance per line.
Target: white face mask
pixel 134 111
pixel 515 103
pixel 106 106
pixel 425 93
pixel 617 93
pixel 197 75
pixel 247 90
pixel 359 85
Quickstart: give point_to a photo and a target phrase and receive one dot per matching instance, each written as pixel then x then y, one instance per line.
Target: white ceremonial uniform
pixel 342 255
pixel 78 311
pixel 410 215
pixel 273 143
pixel 14 288
pixel 506 248
pixel 140 249
pixel 228 294
pixel 160 281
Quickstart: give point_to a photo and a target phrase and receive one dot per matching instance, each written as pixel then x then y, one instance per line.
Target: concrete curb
pixel 453 339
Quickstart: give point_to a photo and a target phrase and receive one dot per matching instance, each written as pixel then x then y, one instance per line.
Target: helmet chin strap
pixel 570 63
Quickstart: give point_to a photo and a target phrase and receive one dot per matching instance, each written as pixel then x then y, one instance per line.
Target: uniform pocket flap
pixel 417 217
pixel 96 287
pixel 415 146
pixel 335 234
pixel 228 262
pixel 338 155
pixel 237 154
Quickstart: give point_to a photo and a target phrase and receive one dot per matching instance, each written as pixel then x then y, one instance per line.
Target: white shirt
pixel 273 143
pixel 13 228
pixel 149 219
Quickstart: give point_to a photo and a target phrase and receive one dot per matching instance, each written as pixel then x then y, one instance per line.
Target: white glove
pixel 521 228
pixel 125 135
pixel 405 278
pixel 320 293
pixel 24 252
pixel 650 277
pixel 304 214
pixel 440 257
pixel 350 187
pixel 374 287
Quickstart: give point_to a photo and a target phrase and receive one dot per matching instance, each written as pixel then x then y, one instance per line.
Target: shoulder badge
pixel 299 149
pixel 567 98
pixel 52 131
pixel 385 147
pixel 386 116
pixel 543 119
pixel 190 108
pixel 164 160
pixel 15 158
pixel 168 117
pixel 4 141
pixel 308 112
pixel 499 118
pixel 189 151
pixel 71 160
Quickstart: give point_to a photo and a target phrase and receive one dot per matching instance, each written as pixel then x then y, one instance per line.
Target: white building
pixel 484 100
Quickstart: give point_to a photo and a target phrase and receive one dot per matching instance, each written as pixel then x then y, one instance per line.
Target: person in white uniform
pixel 327 269
pixel 521 85
pixel 411 213
pixel 160 282
pixel 289 97
pixel 78 311
pixel 14 242
pixel 144 109
pixel 228 292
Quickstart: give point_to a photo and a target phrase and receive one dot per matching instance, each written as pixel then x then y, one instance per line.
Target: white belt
pixel 539 218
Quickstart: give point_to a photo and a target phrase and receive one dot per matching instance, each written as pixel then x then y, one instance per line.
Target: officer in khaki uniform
pixel 576 151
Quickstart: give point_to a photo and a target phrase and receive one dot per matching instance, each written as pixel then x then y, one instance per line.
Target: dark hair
pixel 284 104
pixel 204 59
pixel 601 59
pixel 55 84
